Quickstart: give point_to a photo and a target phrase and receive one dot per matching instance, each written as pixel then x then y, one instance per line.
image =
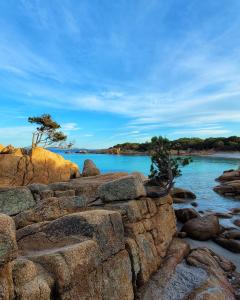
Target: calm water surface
pixel 199 176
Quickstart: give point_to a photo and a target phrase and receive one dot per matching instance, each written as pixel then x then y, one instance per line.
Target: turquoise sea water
pixel 199 176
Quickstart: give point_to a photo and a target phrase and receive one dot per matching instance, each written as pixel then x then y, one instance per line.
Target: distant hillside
pixel 231 143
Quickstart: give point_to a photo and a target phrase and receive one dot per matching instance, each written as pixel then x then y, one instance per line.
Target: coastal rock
pixel 237 222
pixel 8 244
pixel 90 169
pixel 41 166
pixel 182 195
pixel 223 215
pixel 230 244
pixel 229 176
pixel 185 214
pixel 15 200
pixel 126 188
pixel 202 228
pixel 216 285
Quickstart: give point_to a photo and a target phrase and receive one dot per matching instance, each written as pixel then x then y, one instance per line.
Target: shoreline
pixel 217 154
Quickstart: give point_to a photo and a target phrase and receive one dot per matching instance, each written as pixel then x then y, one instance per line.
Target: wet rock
pixel 237 222
pixel 230 244
pixel 126 188
pixel 194 204
pixel 229 176
pixel 223 215
pixel 182 195
pixel 90 169
pixel 235 211
pixel 185 214
pixel 202 228
pixel 15 200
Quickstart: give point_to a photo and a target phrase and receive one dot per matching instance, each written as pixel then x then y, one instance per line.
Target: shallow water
pixel 199 176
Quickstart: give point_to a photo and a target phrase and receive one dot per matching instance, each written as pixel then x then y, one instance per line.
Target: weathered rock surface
pixel 216 285
pixel 90 169
pixel 202 228
pixel 185 214
pixel 42 166
pixel 8 244
pixel 50 209
pixel 8 251
pixel 237 222
pixel 15 200
pixel 126 188
pixel 182 195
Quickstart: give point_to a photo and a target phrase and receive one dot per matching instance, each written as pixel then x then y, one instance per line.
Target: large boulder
pixel 40 166
pixel 202 228
pixel 90 169
pixel 185 214
pixel 15 200
pixel 125 188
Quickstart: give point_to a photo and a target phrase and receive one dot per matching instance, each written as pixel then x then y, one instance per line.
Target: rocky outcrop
pixel 41 166
pixel 202 228
pixel 90 169
pixel 229 239
pixel 73 245
pixel 230 184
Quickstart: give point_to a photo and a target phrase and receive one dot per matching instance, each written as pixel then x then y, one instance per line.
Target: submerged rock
pixel 90 169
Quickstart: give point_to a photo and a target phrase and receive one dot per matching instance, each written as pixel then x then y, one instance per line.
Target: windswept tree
pixel 164 167
pixel 47 132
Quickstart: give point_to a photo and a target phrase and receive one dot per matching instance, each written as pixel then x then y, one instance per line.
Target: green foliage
pixel 46 133
pixel 231 143
pixel 164 167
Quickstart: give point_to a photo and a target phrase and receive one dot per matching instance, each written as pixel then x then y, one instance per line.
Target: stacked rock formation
pixel 98 237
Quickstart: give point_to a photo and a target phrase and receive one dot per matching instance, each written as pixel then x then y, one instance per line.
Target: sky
pixel 118 71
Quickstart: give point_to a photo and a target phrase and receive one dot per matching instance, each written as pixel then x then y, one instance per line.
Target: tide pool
pixel 199 176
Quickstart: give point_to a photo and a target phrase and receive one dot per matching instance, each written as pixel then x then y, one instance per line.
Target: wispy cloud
pixel 152 70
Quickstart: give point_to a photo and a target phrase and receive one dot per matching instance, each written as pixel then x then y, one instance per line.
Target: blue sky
pixel 116 71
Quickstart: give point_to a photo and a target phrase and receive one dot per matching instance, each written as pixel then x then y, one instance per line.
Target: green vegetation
pixel 231 143
pixel 47 132
pixel 164 167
